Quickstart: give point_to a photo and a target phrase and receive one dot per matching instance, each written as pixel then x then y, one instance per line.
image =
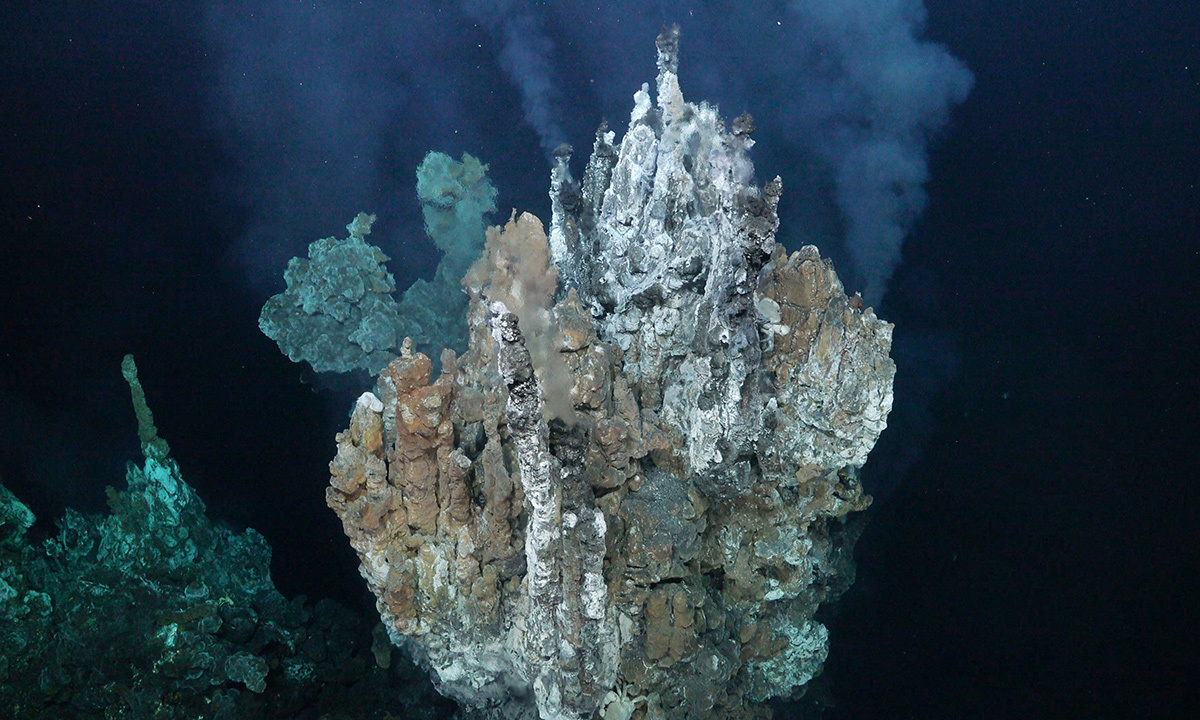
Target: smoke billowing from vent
pixel 328 109
pixel 868 104
pixel 526 58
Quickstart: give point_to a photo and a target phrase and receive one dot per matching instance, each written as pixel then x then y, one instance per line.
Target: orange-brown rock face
pixel 630 495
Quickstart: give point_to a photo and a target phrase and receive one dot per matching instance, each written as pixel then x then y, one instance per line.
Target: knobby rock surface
pixel 629 496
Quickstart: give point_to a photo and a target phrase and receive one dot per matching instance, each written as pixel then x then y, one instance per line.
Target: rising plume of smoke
pixel 328 107
pixel 868 102
pixel 526 56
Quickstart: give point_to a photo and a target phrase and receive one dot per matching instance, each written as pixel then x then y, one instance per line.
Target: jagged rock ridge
pixel 155 610
pixel 660 548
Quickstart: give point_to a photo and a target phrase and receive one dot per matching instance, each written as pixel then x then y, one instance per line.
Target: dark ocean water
pixel 1033 548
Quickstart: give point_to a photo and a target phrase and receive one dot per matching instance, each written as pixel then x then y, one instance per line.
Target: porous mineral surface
pixel 338 313
pixel 628 498
pixel 156 611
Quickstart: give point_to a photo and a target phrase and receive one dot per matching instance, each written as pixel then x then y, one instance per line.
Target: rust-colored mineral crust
pixel 630 495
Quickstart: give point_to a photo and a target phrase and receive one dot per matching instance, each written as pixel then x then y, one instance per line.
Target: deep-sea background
pixel 1037 558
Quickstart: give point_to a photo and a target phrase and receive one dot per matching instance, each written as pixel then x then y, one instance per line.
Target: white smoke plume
pixel 869 103
pixel 329 107
pixel 526 56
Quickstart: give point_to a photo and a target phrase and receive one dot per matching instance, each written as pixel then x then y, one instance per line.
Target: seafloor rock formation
pixel 629 496
pixel 338 313
pixel 156 611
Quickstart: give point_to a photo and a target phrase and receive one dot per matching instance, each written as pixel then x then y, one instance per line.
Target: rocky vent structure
pixel 629 496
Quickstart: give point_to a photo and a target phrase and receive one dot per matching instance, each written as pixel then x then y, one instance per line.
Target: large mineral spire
pixel 663 553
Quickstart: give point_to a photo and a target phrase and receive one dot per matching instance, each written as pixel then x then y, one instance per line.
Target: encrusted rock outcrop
pixel 338 313
pixel 629 496
pixel 156 610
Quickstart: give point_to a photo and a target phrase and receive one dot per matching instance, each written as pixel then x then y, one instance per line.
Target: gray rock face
pixel 666 244
pixel 630 495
